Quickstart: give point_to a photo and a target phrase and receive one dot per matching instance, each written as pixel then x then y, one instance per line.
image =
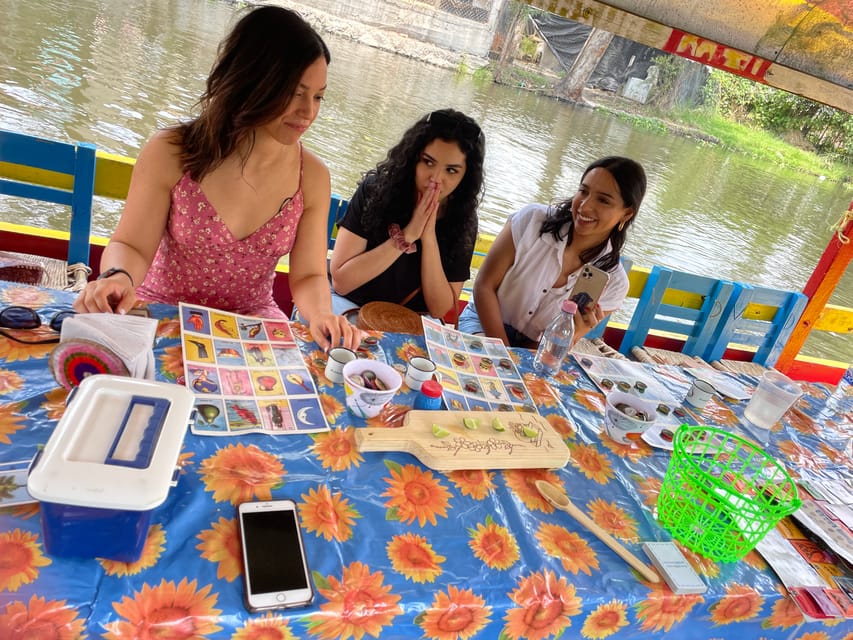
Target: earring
pixel 622 225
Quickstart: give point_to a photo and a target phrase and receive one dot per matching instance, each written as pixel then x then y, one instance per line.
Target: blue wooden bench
pixel 337 208
pixel 743 328
pixel 668 303
pixel 51 171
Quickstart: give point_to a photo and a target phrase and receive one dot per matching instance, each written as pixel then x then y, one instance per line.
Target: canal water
pixel 110 72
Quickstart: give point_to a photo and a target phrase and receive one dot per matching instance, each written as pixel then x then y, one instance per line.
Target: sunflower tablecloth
pixel 396 550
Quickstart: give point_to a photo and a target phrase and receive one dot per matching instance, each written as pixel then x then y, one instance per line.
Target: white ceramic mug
pixel 418 371
pixel 338 357
pixel 699 394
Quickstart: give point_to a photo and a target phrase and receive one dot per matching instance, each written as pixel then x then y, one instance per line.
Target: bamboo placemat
pixel 596 347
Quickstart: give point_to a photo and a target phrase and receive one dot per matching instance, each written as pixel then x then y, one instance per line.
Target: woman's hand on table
pixel 331 330
pixel 109 295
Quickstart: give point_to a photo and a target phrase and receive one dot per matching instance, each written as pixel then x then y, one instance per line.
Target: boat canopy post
pixel 825 277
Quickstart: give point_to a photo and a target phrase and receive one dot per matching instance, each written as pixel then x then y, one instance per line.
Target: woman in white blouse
pixel 535 260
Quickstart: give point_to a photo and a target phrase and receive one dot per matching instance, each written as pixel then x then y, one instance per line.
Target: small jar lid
pixel 431 388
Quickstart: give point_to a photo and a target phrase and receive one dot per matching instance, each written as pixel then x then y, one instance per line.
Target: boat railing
pixel 112 180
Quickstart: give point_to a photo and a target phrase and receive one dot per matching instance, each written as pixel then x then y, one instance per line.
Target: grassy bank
pixel 706 128
pixel 761 145
pixel 755 143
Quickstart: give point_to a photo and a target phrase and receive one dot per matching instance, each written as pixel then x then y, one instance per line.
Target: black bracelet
pixel 114 270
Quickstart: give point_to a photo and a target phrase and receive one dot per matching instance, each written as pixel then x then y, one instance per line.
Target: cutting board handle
pixel 383 439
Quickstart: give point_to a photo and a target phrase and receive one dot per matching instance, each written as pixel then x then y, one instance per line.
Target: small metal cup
pixel 338 357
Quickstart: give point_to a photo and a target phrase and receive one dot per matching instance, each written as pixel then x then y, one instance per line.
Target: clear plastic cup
pixel 773 396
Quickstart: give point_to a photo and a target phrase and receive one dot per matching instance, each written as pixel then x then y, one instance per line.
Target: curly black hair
pixel 390 190
pixel 631 180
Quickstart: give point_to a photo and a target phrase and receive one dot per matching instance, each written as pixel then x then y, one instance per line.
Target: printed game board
pixel 248 375
pixel 477 373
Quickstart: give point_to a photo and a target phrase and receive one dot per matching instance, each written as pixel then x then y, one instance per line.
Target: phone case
pixel 589 287
pixel 673 566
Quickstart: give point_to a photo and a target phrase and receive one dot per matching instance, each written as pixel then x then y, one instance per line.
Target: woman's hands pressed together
pixel 425 214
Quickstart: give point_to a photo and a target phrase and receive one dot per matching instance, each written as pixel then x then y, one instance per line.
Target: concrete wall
pixel 418 20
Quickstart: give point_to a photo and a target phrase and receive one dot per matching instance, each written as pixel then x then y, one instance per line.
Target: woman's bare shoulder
pixel 313 166
pixel 316 181
pixel 161 156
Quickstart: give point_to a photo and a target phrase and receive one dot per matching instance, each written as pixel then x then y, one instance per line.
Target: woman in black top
pixel 410 229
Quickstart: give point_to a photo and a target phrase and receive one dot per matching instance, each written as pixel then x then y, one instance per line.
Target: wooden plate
pixel 528 441
pixel 387 316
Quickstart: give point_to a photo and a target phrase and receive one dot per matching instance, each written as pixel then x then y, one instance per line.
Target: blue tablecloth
pixel 396 550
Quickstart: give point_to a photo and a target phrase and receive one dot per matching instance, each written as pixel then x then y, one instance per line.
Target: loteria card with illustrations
pixel 477 373
pixel 248 375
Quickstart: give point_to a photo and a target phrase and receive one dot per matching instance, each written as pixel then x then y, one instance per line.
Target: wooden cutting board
pixel 527 442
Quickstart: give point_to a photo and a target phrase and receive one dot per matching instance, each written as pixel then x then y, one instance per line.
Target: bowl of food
pixel 627 417
pixel 369 386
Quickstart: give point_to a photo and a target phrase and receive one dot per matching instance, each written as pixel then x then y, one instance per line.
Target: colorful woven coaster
pixel 73 360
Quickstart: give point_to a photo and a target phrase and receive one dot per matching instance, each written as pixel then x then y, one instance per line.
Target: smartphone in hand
pixel 589 287
pixel 275 569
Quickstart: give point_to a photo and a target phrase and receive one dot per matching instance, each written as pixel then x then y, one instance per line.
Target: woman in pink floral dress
pixel 215 202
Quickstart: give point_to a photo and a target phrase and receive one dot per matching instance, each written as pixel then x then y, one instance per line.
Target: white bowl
pixel 626 417
pixel 363 401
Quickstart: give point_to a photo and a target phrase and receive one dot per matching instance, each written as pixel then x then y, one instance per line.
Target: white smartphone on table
pixel 275 569
pixel 589 287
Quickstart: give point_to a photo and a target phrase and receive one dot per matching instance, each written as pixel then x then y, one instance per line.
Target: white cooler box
pixel 108 464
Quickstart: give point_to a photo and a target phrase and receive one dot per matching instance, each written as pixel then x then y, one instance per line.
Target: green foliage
pixel 527 47
pixel 799 120
pixel 648 123
pixel 483 74
pixel 763 145
pixel 669 68
pixel 462 67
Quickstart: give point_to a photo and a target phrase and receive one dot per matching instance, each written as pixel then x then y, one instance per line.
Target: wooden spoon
pixel 558 499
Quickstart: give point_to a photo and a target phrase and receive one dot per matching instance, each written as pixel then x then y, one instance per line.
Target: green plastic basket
pixel 722 494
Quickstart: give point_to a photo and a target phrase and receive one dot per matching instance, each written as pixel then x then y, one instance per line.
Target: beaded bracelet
pixel 399 240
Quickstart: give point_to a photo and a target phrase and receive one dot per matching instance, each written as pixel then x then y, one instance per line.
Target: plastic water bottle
pixel 557 340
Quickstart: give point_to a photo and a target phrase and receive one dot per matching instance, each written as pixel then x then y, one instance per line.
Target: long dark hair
pixel 257 70
pixel 392 183
pixel 631 180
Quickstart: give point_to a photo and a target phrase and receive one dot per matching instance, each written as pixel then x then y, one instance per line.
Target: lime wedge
pixel 497 425
pixel 471 423
pixel 439 432
pixel 530 432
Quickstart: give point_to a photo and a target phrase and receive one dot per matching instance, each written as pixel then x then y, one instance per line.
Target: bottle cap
pixel 431 389
pixel 569 306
